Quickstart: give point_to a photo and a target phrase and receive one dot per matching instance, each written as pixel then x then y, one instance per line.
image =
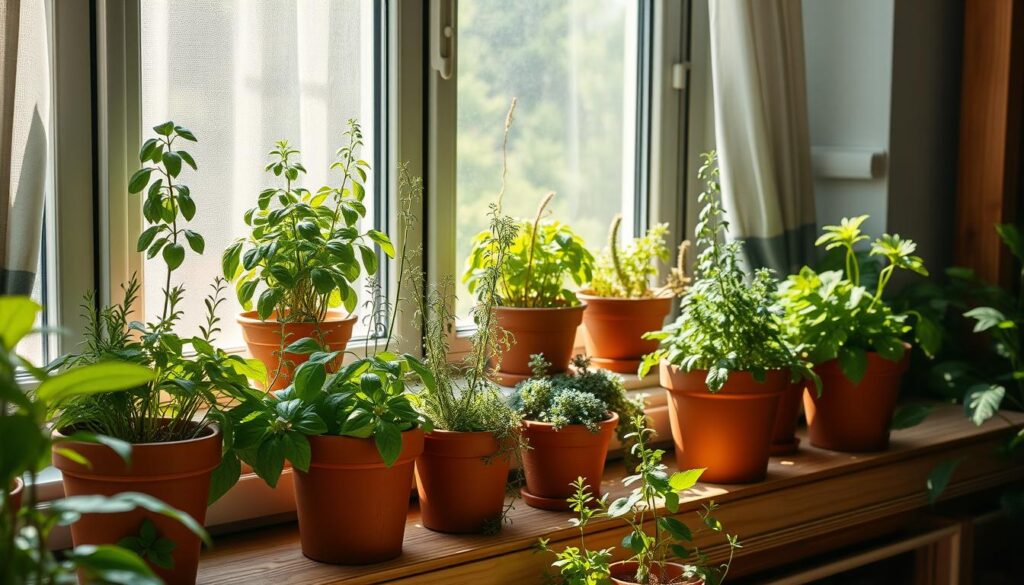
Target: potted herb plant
pixel 622 305
pixel 301 258
pixel 533 303
pixel 352 438
pixel 24 525
pixel 853 337
pixel 170 420
pixel 723 361
pixel 461 476
pixel 568 422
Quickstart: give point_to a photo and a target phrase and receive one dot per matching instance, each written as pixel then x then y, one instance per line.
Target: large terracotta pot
pixel 460 479
pixel 613 330
pixel 854 417
pixel 624 573
pixel 784 439
pixel 176 472
pixel 551 332
pixel 352 508
pixel 13 501
pixel 263 338
pixel 728 432
pixel 555 458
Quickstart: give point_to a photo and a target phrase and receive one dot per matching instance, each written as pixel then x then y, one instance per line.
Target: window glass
pixel 572 65
pixel 242 74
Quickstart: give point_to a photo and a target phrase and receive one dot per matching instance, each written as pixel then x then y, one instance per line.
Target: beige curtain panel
pixel 761 129
pixel 24 142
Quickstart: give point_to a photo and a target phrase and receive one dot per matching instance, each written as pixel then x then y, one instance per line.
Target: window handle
pixel 442 36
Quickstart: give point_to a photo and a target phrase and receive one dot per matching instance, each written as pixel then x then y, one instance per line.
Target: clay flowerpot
pixel 624 573
pixel 854 417
pixel 176 472
pixel 263 338
pixel 613 330
pixel 784 439
pixel 460 479
pixel 352 508
pixel 555 458
pixel 728 432
pixel 13 501
pixel 551 332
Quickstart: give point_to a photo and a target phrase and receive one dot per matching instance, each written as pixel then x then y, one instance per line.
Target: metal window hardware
pixel 442 37
pixel 679 75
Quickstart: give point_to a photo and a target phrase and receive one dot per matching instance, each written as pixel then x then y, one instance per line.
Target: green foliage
pixel 727 323
pixel 301 252
pixel 148 544
pixel 832 315
pixel 579 565
pixel 626 271
pixel 24 557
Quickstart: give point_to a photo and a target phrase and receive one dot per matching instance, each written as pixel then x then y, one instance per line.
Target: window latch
pixel 679 71
pixel 442 37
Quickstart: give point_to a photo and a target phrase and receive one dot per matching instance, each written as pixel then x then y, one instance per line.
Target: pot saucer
pixel 542 503
pixel 786 447
pixel 617 366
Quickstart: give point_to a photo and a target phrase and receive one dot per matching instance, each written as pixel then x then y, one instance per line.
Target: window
pixel 572 65
pixel 242 75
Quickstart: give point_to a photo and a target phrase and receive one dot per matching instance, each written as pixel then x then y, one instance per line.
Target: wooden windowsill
pixel 805 499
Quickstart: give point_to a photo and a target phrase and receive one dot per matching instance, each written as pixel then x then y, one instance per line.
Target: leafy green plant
pixel 24 556
pixel 831 315
pixel 192 378
pixel 580 565
pixel 150 545
pixel 367 398
pixel 626 272
pixel 300 253
pixel 727 322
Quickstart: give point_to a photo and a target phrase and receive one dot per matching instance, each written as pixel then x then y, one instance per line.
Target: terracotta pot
pixel 555 459
pixel 613 330
pixel 352 508
pixel 784 439
pixel 551 332
pixel 263 338
pixel 176 472
pixel 461 481
pixel 854 417
pixel 624 573
pixel 728 432
pixel 14 494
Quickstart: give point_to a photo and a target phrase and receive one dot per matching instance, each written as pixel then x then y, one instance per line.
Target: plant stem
pixel 533 244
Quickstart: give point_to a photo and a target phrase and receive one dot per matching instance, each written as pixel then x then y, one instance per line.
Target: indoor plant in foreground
pixel 533 304
pixel 568 422
pixel 352 438
pixel 301 259
pixel 854 339
pixel 622 305
pixel 723 361
pixel 171 420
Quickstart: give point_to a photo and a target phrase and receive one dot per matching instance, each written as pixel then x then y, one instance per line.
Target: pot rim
pixel 578 307
pixel 210 430
pixel 668 369
pixel 550 427
pixel 595 297
pixel 682 567
pixel 446 435
pixel 252 318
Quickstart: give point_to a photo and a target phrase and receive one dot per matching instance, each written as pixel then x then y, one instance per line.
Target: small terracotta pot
pixel 176 472
pixel 555 458
pixel 852 417
pixel 551 332
pixel 613 330
pixel 784 439
pixel 461 481
pixel 624 573
pixel 352 508
pixel 263 338
pixel 14 496
pixel 728 432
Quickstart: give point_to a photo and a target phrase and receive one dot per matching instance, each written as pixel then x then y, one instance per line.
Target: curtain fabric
pixel 761 129
pixel 24 148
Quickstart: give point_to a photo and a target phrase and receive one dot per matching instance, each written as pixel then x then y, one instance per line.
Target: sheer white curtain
pixel 761 129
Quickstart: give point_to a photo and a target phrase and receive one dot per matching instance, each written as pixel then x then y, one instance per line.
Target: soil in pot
pixel 263 338
pixel 613 329
pixel 551 332
pixel 460 480
pixel 784 439
pixel 176 472
pixel 555 458
pixel 352 508
pixel 729 432
pixel 854 418
pixel 624 573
